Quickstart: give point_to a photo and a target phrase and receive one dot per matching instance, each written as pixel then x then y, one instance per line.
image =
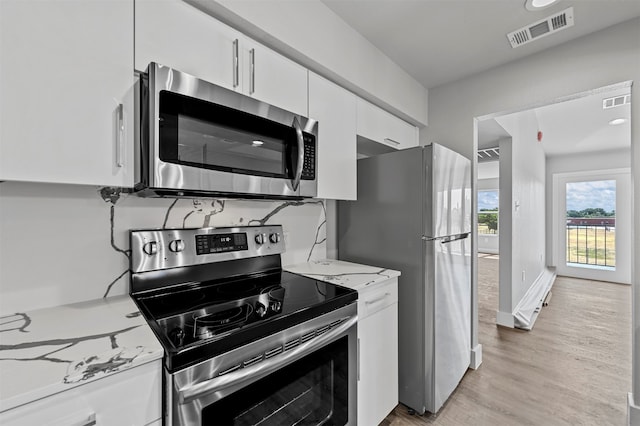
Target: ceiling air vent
pixel 542 28
pixel 489 154
pixel 616 101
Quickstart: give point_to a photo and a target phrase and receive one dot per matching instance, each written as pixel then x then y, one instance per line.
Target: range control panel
pixel 153 250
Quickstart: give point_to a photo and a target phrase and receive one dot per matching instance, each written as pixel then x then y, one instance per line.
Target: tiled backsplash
pixel 64 243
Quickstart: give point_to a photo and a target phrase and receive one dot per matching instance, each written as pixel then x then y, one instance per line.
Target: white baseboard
pixel 505 319
pixel 633 411
pixel 476 357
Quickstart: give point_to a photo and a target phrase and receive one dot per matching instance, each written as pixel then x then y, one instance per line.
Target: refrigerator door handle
pixel 448 238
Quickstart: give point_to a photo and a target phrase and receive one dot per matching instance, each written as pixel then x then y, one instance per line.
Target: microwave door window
pixel 220 147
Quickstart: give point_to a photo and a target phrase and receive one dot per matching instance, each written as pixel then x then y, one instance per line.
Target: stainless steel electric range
pixel 246 343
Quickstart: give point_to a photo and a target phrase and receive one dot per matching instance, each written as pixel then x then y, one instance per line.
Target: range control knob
pixel 150 248
pixel 176 246
pixel 261 310
pixel 275 237
pixel 261 239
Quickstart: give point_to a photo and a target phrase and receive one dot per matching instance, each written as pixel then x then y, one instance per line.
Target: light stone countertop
pixel 351 275
pixel 50 350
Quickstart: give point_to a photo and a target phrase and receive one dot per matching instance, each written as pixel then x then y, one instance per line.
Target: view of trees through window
pixel 591 223
pixel 488 202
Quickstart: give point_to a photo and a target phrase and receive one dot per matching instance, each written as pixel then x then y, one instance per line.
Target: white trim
pixel 476 357
pixel 633 411
pixel 505 319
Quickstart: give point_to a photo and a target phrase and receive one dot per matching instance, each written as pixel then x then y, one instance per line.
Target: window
pixel 591 223
pixel 488 202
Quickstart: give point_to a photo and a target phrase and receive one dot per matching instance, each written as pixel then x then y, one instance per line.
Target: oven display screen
pixel 220 243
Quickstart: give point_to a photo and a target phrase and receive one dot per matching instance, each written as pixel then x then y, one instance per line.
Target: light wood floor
pixel 573 368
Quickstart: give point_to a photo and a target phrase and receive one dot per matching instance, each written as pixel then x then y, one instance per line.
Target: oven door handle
pixel 261 369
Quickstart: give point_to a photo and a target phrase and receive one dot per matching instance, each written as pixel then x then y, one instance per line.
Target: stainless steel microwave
pixel 199 139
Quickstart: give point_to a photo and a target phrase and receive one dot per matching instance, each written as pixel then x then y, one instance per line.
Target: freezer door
pixel 449 279
pixel 448 206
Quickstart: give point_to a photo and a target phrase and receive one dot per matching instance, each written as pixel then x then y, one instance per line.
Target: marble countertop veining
pixel 47 351
pixel 351 275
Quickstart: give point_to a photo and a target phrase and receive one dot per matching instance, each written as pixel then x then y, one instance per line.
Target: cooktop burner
pixel 199 309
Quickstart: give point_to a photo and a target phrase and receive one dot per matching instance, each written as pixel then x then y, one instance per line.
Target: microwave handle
pixel 296 178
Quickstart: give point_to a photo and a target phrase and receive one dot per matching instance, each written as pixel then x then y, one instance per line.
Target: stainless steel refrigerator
pixel 413 214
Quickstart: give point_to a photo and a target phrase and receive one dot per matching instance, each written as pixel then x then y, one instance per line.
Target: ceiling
pixel 577 125
pixel 441 41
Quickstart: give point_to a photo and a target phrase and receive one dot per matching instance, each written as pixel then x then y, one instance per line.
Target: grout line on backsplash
pixel 106 293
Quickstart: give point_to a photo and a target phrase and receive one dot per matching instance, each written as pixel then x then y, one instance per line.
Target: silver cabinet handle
pixel 83 420
pixel 120 136
pixel 252 65
pixel 298 175
pixel 236 64
pixel 358 358
pixel 378 300
pixel 387 140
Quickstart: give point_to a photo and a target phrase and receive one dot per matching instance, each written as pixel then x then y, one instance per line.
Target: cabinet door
pixel 335 110
pixel 130 397
pixel 65 67
pixel 378 384
pixel 272 78
pixel 378 125
pixel 177 35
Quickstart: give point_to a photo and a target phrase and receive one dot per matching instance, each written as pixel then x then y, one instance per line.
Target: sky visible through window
pixel 488 200
pixel 594 194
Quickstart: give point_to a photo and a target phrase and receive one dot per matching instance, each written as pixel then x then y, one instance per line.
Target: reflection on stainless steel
pixel 163 178
pixel 219 377
pixel 164 258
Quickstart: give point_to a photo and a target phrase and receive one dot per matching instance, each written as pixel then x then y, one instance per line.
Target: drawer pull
pixel 388 140
pixel 378 300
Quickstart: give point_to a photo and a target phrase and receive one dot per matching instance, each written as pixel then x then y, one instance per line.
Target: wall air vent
pixel 616 101
pixel 541 28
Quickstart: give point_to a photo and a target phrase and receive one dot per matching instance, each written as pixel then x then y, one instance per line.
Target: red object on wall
pixel 539 136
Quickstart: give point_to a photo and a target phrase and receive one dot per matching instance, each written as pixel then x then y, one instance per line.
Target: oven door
pixel 305 375
pixel 206 138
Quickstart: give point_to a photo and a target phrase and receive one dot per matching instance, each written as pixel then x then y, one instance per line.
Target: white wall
pixel 64 243
pixel 523 194
pixel 313 35
pixel 600 59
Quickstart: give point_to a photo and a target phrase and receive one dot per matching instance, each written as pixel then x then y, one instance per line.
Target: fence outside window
pixel 591 241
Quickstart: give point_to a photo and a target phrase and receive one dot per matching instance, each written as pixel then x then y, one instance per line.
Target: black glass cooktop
pixel 199 320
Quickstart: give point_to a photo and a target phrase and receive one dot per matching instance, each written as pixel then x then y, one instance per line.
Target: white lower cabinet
pixel 378 352
pixel 130 397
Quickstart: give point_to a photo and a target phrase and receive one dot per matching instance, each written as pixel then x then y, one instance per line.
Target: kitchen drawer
pixel 130 397
pixel 376 298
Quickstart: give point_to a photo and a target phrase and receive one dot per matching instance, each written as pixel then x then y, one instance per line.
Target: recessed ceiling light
pixel 257 143
pixel 534 5
pixel 617 121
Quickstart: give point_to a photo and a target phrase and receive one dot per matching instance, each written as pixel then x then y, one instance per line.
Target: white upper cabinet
pixel 335 110
pixel 272 78
pixel 378 125
pixel 176 34
pixel 66 91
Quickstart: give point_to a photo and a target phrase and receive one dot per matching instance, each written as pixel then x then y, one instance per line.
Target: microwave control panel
pixel 309 165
